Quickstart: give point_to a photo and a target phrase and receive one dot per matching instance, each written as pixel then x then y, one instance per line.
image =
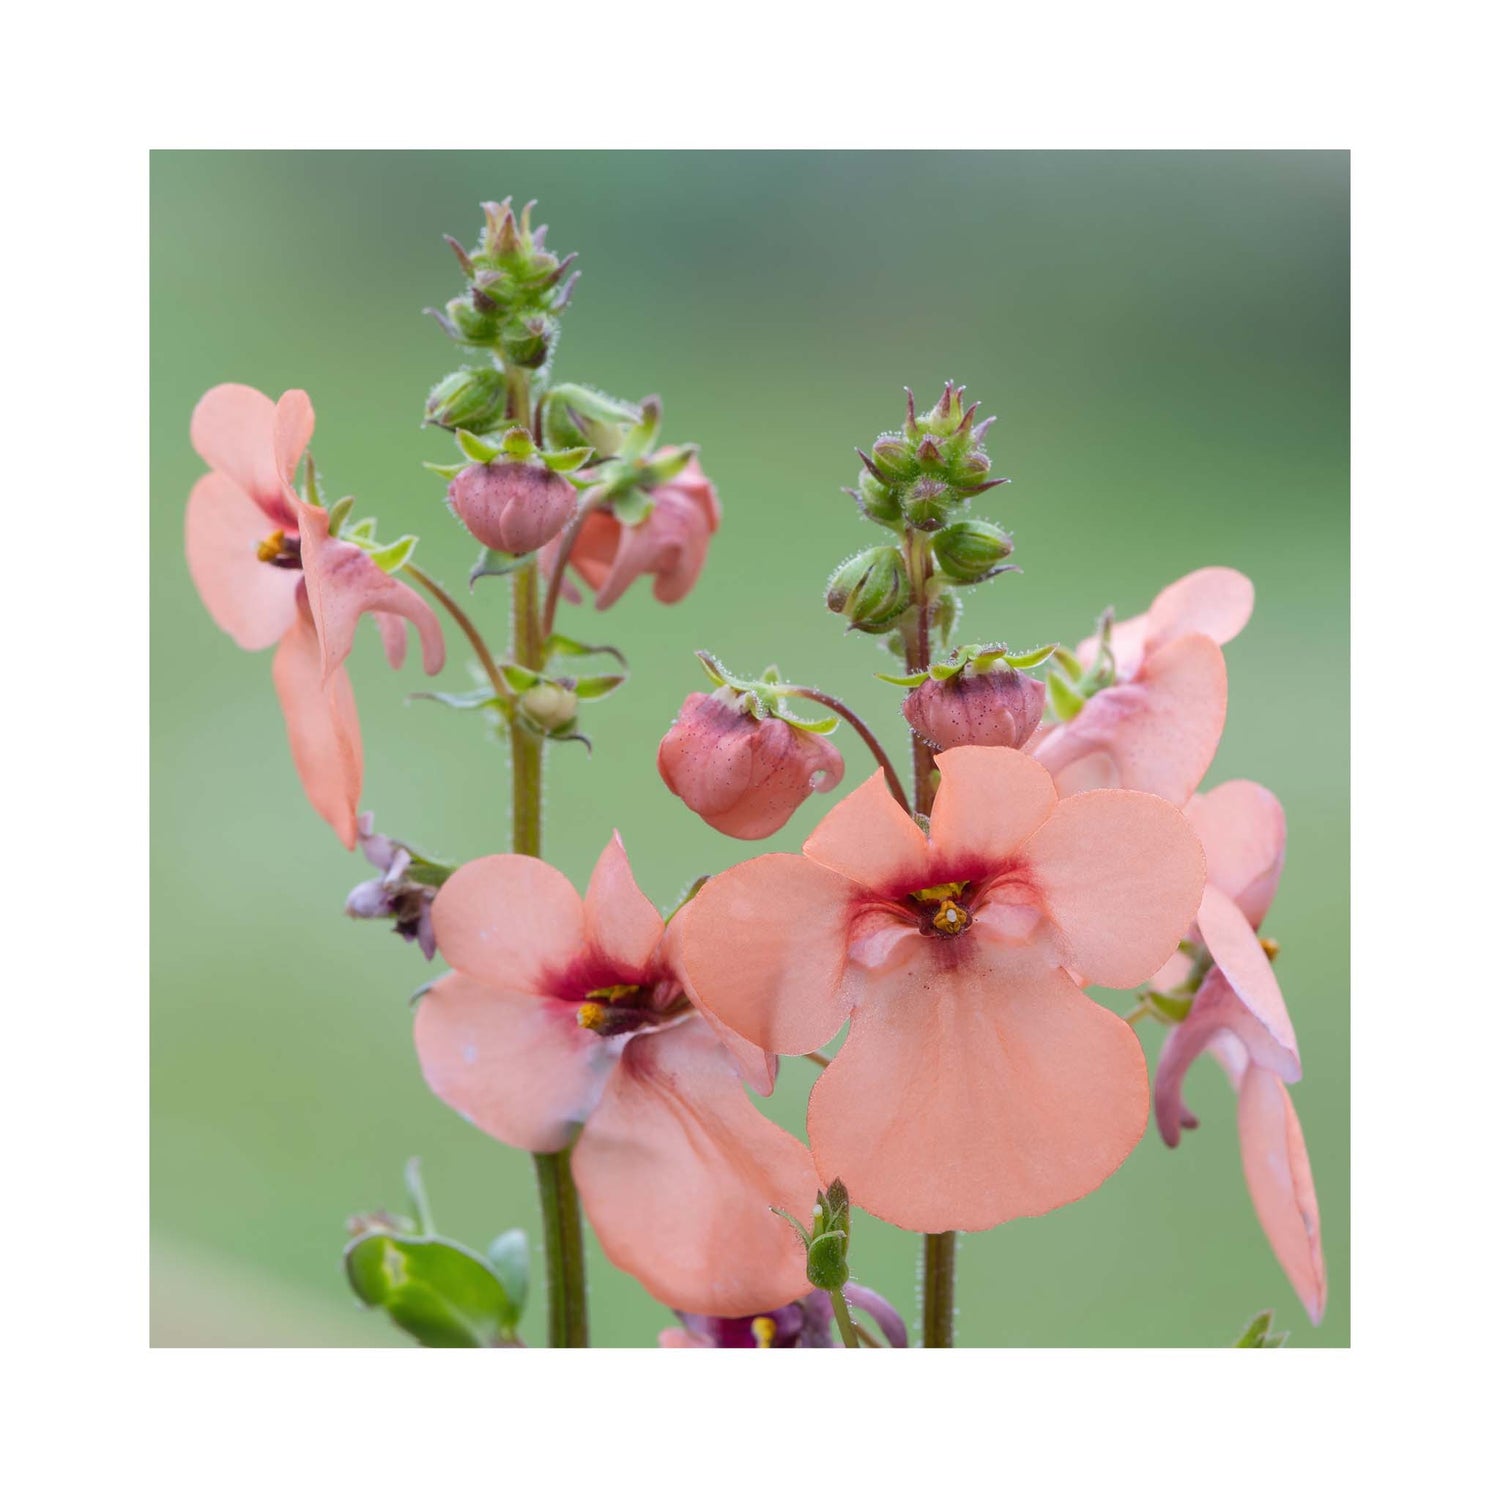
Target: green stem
pixel 527 650
pixel 845 1322
pixel 562 1221
pixel 939 1251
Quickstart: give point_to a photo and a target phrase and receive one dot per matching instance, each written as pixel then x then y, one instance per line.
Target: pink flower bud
pixel 743 775
pixel 999 707
pixel 512 506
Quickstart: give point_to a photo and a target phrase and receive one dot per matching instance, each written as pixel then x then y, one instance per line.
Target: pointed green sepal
pixel 392 558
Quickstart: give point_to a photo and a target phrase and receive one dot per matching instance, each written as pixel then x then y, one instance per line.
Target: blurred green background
pixel 1164 337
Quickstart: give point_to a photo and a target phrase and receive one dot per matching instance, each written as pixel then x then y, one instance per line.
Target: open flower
pixel 269 573
pixel 1238 1015
pixel 804 1324
pixel 670 543
pixel 742 772
pixel 568 1016
pixel 1157 728
pixel 978 1083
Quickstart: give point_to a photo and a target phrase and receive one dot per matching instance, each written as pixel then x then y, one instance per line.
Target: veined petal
pixel 764 948
pixel 866 837
pixel 1122 874
pixel 234 432
pixel 509 920
pixel 977 1088
pixel 322 726
pixel 1243 831
pixel 620 922
pixel 678 1172
pixel 1155 734
pixel 249 600
pixel 517 1065
pixel 989 802
pixel 1279 1176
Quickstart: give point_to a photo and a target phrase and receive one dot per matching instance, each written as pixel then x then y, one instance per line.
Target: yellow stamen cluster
pixel 1271 948
pixel 764 1329
pixel 591 1015
pixel 950 917
pixel 270 549
pixel 613 994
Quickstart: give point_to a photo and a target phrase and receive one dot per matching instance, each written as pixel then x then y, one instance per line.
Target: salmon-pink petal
pixel 509 920
pixel 292 432
pixel 517 1065
pixel 234 431
pixel 1243 831
pixel 1216 602
pixel 251 601
pixel 867 837
pixel 680 1338
pixel 343 582
pixel 392 630
pixel 678 1172
pixel 1157 734
pixel 764 948
pixel 989 802
pixel 636 549
pixel 619 920
pixel 322 726
pixel 977 1089
pixel 1280 1179
pixel 1237 952
pixel 683 556
pixel 1121 874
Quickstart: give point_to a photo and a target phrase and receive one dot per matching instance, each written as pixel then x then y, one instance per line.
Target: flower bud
pixel 576 417
pixel 878 501
pixel 549 706
pixel 471 399
pixel 971 551
pixel 512 506
pixel 742 774
pixel 872 590
pixel 929 504
pixel 1000 706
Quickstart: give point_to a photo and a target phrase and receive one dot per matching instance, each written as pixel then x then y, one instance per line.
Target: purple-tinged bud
pixel 513 506
pixel 1000 706
pixel 871 590
pixel 971 551
pixel 471 399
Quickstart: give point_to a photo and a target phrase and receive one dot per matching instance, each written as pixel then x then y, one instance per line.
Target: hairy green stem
pixel 562 1220
pixel 841 1314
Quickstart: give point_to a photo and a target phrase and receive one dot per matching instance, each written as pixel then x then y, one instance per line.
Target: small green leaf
pixel 1065 702
pixel 718 673
pixel 517 444
pixel 561 645
pixel 1258 1333
pixel 812 726
pixel 510 1255
pixel 362 532
pixel 395 556
pixel 597 687
pixel 448 471
pixel 828 1260
pixel 442 1294
pixel 631 506
pixel 1022 660
pixel 913 679
pixel 338 513
pixel 310 482
pixel 1068 662
pixel 492 564
pixel 941 671
pixel 569 459
pixel 476 448
pixel 480 697
pixel 518 677
pixel 1171 1009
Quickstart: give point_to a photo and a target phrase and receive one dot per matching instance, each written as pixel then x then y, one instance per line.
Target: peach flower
pixel 269 573
pixel 742 774
pixel 566 1021
pixel 978 1083
pixel 1157 728
pixel 1239 1015
pixel 671 543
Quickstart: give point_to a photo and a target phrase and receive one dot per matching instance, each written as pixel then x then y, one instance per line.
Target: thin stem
pixel 482 651
pixel 562 1220
pixel 847 714
pixel 1136 1016
pixel 528 649
pixel 939 1251
pixel 841 1315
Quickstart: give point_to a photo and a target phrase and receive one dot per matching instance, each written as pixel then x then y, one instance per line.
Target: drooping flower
pixel 1157 727
pixel 994 705
pixel 805 1324
pixel 396 894
pixel 1238 1015
pixel 269 573
pixel 977 1083
pixel 670 543
pixel 566 1023
pixel 513 505
pixel 744 773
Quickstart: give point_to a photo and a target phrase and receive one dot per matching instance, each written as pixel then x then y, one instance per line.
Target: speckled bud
pixel 512 506
pixel 998 707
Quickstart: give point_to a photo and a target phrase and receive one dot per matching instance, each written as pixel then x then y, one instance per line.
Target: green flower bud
pixel 971 551
pixel 471 399
pixel 576 417
pixel 929 504
pixel 872 590
pixel 475 325
pixel 878 501
pixel 549 706
pixel 527 342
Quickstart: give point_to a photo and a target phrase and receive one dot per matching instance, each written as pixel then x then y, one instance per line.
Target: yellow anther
pixel 270 549
pixel 764 1329
pixel 613 994
pixel 592 1016
pixel 1271 948
pixel 950 917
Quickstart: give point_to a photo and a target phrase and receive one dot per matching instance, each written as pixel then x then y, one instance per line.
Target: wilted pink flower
pixel 1238 1014
pixel 268 572
pixel 393 896
pixel 977 1083
pixel 671 543
pixel 999 707
pixel 805 1324
pixel 1156 730
pixel 741 774
pixel 566 1020
pixel 513 505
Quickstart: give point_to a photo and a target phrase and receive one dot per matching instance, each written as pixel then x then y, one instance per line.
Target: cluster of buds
pixel 980 695
pixel 516 290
